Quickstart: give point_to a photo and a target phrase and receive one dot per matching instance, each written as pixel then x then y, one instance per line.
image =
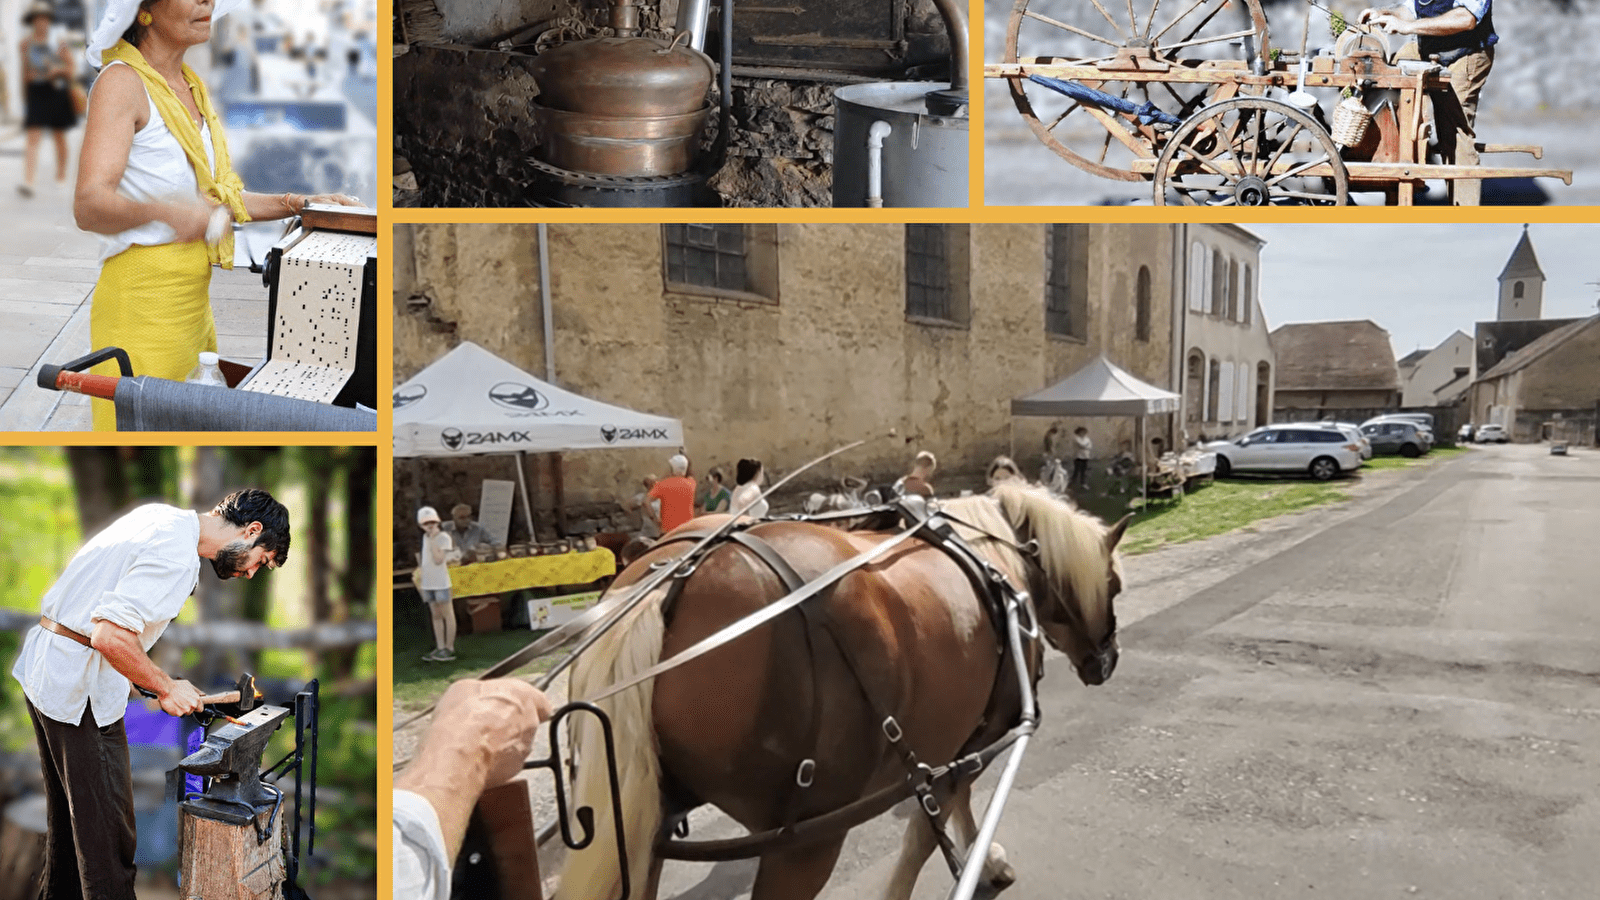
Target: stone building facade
pixel 1227 367
pixel 782 342
pixel 1439 377
pixel 1549 389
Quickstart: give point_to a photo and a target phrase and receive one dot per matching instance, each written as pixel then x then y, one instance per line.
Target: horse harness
pixel 995 592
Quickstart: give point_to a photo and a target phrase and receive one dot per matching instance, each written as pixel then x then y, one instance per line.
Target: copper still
pixel 623 105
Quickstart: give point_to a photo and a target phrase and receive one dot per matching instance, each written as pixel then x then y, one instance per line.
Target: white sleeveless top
pixel 157 170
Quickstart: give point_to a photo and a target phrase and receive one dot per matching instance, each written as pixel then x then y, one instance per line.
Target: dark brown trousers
pixel 89 788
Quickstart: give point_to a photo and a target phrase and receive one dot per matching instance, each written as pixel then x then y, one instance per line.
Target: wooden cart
pixel 1191 96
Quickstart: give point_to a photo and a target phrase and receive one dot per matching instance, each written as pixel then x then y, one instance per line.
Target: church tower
pixel 1521 284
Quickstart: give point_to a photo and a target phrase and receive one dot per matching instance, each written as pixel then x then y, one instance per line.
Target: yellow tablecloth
pixel 519 573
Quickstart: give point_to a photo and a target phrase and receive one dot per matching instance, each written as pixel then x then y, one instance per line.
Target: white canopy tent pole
pixel 527 508
pixel 1144 483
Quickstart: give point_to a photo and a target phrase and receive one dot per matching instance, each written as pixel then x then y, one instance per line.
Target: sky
pixel 1421 282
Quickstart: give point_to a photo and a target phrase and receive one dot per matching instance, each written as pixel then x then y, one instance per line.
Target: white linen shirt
pixel 136 573
pixel 421 869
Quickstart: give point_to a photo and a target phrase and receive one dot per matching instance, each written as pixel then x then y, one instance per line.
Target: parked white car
pixel 1494 433
pixel 1309 448
pixel 1352 431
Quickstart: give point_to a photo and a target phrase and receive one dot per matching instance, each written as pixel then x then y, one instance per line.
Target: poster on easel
pixel 494 509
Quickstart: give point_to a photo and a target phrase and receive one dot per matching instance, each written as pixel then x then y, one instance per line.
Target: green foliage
pixel 1337 23
pixel 1384 463
pixel 39 536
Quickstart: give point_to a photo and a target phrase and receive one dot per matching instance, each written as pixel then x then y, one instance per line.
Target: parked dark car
pixel 1398 436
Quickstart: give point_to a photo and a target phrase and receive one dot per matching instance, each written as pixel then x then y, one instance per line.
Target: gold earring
pixel 144 17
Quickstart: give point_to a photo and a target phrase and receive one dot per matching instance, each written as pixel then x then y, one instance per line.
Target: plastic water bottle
pixel 206 371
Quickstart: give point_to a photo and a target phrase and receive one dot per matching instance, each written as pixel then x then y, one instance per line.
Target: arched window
pixel 1141 320
pixel 1516 291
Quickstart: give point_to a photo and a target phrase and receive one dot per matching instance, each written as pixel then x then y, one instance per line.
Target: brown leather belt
pixel 50 624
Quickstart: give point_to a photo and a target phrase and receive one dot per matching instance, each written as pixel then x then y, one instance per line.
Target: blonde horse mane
pixel 1071 542
pixel 632 646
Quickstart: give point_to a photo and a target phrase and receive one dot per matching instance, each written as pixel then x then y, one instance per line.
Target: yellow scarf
pixel 225 188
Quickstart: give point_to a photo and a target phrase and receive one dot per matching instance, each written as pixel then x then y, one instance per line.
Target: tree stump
pixel 223 861
pixel 22 842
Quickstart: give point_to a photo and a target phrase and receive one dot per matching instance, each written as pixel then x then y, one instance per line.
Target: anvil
pixel 231 758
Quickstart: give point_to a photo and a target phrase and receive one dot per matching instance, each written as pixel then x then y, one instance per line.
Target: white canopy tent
pixel 470 402
pixel 1099 389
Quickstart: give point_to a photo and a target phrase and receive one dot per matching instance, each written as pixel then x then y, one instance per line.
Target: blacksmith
pixel 1459 32
pixel 98 621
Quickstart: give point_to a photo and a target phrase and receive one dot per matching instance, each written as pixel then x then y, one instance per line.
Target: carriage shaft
pixel 1212 72
pixel 1385 172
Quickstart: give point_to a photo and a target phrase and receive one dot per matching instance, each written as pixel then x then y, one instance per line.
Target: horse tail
pixel 632 646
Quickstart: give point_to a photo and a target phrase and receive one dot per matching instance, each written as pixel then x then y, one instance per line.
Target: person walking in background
pixel 47 103
pixel 433 582
pixel 751 475
pixel 156 180
pixel 920 481
pixel 1082 452
pixel 676 495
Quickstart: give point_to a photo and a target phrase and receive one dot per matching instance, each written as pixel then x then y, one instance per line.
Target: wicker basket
pixel 1350 121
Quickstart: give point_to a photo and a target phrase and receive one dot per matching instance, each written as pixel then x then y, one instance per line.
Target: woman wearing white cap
pixel 155 179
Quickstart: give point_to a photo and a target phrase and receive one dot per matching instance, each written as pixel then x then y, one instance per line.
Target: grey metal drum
pixel 923 157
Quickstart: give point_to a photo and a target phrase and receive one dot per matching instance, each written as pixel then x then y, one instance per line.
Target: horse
pixel 909 633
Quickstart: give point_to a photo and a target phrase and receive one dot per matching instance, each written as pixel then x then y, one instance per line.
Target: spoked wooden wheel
pixel 1153 35
pixel 1251 151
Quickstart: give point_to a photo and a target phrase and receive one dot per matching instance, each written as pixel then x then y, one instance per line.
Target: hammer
pixel 243 696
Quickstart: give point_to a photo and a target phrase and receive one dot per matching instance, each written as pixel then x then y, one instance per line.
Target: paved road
pixel 1396 698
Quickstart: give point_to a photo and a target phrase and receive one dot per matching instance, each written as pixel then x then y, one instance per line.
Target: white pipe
pixel 875 135
pixel 692 16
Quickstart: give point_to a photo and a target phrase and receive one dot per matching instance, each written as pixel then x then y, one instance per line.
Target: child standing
pixel 434 583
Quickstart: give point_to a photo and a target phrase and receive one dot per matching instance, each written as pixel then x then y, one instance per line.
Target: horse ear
pixel 1114 536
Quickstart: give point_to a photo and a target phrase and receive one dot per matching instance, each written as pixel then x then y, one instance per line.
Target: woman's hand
pixel 332 200
pixel 188 220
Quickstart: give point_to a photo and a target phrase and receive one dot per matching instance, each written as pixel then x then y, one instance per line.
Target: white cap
pixel 119 15
pixel 679 464
pixel 207 358
pixel 427 514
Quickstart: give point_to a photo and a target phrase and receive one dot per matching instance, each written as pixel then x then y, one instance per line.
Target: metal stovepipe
pixel 692 17
pixel 955 22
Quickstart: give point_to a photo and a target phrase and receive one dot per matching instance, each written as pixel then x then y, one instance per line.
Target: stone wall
pixel 832 359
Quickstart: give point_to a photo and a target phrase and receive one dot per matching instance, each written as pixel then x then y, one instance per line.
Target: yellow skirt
pixel 155 303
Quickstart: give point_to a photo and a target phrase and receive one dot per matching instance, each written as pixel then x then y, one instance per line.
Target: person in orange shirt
pixel 676 494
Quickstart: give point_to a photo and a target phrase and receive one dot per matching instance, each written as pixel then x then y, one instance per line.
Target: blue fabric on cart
pixel 1147 112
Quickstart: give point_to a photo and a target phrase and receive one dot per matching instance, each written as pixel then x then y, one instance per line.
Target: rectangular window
pixel 708 256
pixel 1225 404
pixel 1249 301
pixel 1197 277
pixel 928 272
pixel 1066 290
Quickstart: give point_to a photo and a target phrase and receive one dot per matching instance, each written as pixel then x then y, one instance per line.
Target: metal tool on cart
pixel 1194 98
